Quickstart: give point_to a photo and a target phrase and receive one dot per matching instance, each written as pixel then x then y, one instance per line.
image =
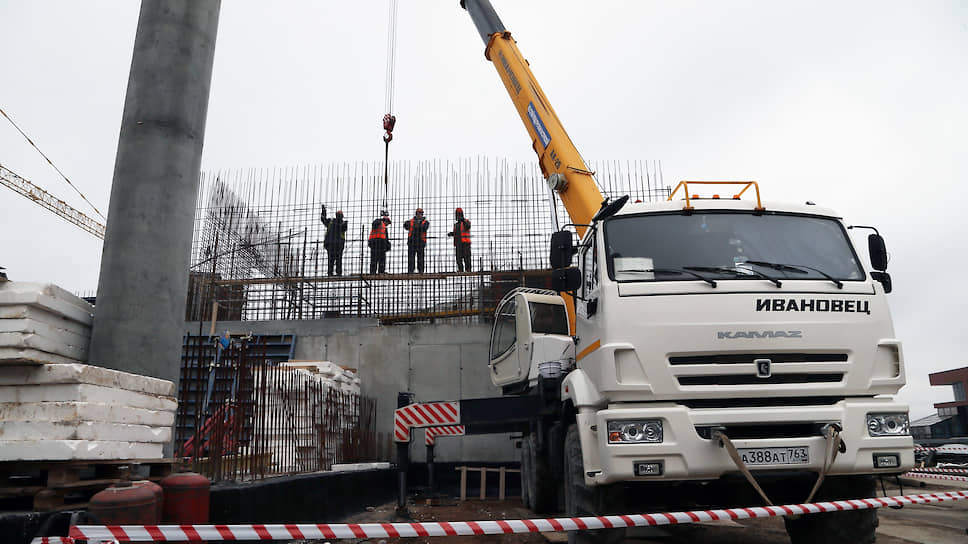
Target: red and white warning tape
pixel 427 414
pixel 431 433
pixel 168 533
pixel 942 448
pixel 916 474
pixel 941 470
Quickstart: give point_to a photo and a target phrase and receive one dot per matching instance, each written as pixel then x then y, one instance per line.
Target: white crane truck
pixel 716 351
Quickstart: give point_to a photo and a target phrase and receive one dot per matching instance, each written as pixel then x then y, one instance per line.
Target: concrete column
pixel 139 316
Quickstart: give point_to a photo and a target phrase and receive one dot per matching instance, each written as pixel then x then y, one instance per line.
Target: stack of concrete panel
pixel 42 324
pixel 330 374
pixel 300 429
pixel 73 411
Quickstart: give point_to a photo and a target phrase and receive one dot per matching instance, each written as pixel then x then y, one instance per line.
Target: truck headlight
pixel 635 431
pixel 888 424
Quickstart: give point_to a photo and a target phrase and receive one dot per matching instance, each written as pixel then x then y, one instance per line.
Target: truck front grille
pixel 748 358
pixel 734 379
pixel 741 369
pixel 766 430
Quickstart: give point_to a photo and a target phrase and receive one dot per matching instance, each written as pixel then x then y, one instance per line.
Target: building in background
pixel 952 417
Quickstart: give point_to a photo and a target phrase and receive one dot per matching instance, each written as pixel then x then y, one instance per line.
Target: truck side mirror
pixel 565 279
pixel 878 252
pixel 885 280
pixel 562 249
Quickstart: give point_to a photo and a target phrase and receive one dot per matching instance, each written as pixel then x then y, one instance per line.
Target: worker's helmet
pixel 459 210
pixel 339 213
pixel 419 211
pixel 384 213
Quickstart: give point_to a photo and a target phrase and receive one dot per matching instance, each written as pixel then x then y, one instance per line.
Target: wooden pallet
pixel 54 485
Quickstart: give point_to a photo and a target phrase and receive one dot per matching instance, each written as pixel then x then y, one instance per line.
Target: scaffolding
pixel 258 253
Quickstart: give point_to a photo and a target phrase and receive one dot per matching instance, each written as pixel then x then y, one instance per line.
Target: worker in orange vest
pixel 416 240
pixel 379 243
pixel 462 240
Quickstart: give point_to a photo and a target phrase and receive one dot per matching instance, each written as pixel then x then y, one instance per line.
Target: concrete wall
pixel 434 361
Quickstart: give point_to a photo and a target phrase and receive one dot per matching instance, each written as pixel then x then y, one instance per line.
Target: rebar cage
pixel 258 251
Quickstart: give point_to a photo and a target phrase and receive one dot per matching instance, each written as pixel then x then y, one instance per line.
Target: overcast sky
pixel 858 106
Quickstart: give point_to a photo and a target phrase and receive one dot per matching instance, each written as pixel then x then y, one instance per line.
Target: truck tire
pixel 543 486
pixel 850 527
pixel 584 500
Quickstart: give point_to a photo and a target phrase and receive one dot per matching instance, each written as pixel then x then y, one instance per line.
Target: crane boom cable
pixel 391 71
pixel 389 120
pixel 46 200
pixel 31 142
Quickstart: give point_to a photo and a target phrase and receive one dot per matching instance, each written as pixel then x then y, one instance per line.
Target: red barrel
pixel 186 498
pixel 159 494
pixel 125 504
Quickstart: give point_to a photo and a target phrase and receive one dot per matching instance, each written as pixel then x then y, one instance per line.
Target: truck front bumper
pixel 685 455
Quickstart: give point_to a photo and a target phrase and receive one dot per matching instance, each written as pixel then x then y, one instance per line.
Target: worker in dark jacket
pixel 416 240
pixel 335 240
pixel 379 243
pixel 462 240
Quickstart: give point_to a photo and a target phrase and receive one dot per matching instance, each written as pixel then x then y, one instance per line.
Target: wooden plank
pixel 82 484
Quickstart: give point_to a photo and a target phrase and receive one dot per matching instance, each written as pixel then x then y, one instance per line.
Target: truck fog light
pixel 887 460
pixel 888 424
pixel 648 468
pixel 635 431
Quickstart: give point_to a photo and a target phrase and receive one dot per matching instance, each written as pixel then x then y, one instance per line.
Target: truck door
pixel 587 304
pixel 507 348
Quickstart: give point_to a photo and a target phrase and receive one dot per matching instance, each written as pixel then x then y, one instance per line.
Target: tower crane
pixel 48 201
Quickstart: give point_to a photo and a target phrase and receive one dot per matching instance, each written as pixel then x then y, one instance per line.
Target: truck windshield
pixel 730 245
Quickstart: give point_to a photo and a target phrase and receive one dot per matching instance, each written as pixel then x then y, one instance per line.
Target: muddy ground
pixel 944 523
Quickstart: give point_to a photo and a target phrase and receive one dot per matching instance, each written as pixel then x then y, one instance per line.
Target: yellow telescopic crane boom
pixel 562 165
pixel 46 200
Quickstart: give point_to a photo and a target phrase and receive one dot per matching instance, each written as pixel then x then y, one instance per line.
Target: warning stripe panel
pixel 220 533
pixel 423 415
pixel 431 433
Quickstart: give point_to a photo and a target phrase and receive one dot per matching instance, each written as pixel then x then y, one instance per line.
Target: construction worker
pixel 379 243
pixel 335 240
pixel 462 240
pixel 416 240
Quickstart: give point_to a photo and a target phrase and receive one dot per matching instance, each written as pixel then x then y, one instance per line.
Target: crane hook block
pixel 388 122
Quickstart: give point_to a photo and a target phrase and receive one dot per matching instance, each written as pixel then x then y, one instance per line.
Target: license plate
pixel 796 455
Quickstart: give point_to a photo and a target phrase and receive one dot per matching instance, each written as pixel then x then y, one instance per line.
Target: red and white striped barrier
pixel 917 474
pixel 426 414
pixel 942 448
pixel 219 533
pixel 431 433
pixel 941 470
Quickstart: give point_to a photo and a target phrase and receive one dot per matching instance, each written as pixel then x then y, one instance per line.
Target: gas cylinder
pixel 159 494
pixel 125 504
pixel 186 498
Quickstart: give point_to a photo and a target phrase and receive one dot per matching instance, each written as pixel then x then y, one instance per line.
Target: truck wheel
pixel 584 500
pixel 526 473
pixel 850 527
pixel 543 486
